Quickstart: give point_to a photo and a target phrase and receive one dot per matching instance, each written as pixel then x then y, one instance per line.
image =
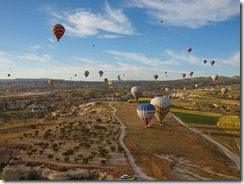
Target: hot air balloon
pixel 146 112
pixel 204 61
pixel 75 75
pixel 136 92
pixel 215 77
pixel 212 62
pixel 105 80
pixel 51 82
pixel 224 90
pixel 189 50
pixel 86 73
pixel 100 73
pixel 35 109
pixel 196 85
pixel 167 89
pixel 155 76
pixel 118 77
pixel 8 91
pixel 58 31
pixel 8 75
pixel 110 83
pixel 183 75
pixel 165 72
pixel 162 106
pixel 190 73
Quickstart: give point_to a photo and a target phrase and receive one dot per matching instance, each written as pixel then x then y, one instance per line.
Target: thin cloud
pixel 33 57
pixel 137 57
pixel 189 13
pixel 84 22
pixel 234 60
pixel 35 47
pixel 5 58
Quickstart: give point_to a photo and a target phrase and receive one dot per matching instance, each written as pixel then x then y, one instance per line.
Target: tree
pixel 103 162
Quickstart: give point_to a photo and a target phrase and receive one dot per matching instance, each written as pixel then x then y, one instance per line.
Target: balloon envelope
pixel 51 82
pixel 189 50
pixel 146 112
pixel 86 73
pixel 58 31
pixel 35 109
pixel 100 73
pixel 155 76
pixel 190 73
pixel 162 106
pixel 136 92
pixel 105 80
pixel 214 77
pixel 224 90
pixel 110 83
pixel 183 75
pixel 212 62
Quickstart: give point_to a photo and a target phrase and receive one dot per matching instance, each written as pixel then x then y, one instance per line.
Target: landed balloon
pixel 35 109
pixel 215 77
pixel 86 73
pixel 58 31
pixel 146 112
pixel 190 73
pixel 100 73
pixel 224 90
pixel 51 82
pixel 136 92
pixel 162 106
pixel 155 76
pixel 189 50
pixel 212 62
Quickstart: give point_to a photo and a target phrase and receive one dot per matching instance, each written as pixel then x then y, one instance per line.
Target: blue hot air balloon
pixel 145 111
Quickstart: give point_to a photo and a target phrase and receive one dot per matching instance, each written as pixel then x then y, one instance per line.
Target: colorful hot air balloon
pixel 58 31
pixel 86 73
pixel 162 106
pixel 212 62
pixel 183 75
pixel 105 80
pixel 110 83
pixel 204 61
pixel 136 92
pixel 155 76
pixel 190 73
pixel 146 112
pixel 224 90
pixel 100 73
pixel 189 50
pixel 51 82
pixel 215 77
pixel 118 77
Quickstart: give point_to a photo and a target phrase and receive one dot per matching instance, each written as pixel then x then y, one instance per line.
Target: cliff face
pixel 6 154
pixel 17 172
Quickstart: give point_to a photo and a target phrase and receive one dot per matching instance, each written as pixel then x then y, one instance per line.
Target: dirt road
pixel 137 172
pixel 231 155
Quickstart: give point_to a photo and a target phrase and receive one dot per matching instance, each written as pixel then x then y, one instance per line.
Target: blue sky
pixel 128 35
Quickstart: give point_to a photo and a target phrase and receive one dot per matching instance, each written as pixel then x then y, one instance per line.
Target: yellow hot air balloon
pixel 110 83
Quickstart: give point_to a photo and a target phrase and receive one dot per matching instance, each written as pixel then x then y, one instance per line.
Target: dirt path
pixel 137 172
pixel 231 155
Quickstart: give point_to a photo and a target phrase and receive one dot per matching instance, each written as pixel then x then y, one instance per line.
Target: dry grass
pixel 170 139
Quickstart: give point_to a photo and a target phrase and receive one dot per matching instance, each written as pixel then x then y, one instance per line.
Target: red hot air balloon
pixel 58 31
pixel 189 50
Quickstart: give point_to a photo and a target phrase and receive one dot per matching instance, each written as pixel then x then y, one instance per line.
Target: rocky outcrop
pixel 7 154
pixel 17 172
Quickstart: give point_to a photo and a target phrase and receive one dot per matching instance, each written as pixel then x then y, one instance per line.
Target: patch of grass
pixel 230 124
pixel 198 119
pixel 187 111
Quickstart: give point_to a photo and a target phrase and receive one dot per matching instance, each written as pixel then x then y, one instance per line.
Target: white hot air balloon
pixel 162 106
pixel 136 92
pixel 215 77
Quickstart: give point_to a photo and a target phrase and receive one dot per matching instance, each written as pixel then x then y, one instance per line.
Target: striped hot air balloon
pixel 162 106
pixel 58 31
pixel 146 112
